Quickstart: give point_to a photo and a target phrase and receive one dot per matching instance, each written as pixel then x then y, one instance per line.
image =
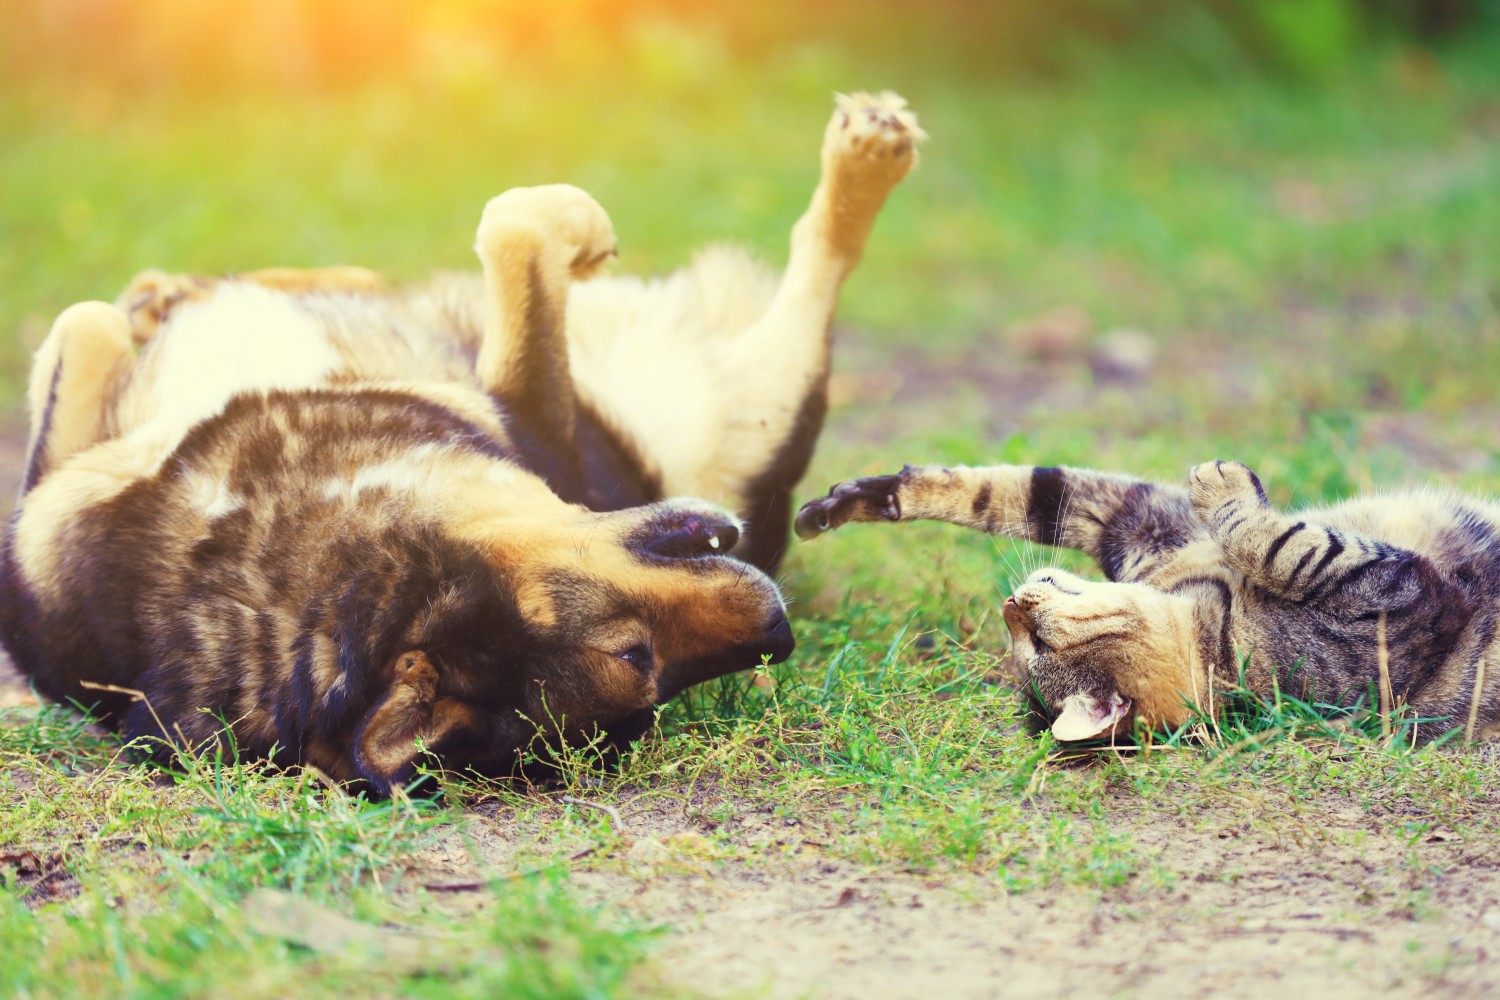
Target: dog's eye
pixel 638 656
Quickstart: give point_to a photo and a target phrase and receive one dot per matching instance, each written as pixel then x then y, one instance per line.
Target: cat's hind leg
pixel 1303 561
pixel 74 377
pixel 1358 603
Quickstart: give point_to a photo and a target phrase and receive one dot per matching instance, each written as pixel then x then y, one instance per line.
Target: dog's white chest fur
pixel 243 338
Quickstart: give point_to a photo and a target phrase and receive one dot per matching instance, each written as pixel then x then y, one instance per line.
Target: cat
pixel 1209 587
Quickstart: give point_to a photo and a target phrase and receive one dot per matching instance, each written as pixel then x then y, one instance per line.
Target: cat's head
pixel 1099 655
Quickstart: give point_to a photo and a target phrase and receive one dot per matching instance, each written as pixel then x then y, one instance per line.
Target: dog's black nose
pixel 779 642
pixel 687 535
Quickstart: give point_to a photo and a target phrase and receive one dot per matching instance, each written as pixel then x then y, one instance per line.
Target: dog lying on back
pixel 1398 594
pixel 350 523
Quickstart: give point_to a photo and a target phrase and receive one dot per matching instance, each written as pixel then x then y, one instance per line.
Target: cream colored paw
pixel 871 139
pixel 152 295
pixel 564 218
pixel 1218 488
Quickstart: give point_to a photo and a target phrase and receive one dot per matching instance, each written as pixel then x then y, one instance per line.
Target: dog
pixel 300 516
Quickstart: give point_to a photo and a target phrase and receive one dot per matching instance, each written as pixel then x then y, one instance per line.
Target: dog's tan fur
pixel 289 446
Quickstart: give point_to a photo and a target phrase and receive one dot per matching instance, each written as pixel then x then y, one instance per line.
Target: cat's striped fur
pixel 1202 577
pixel 344 521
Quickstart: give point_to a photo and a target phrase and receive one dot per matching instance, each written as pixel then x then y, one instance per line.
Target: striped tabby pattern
pixel 1202 577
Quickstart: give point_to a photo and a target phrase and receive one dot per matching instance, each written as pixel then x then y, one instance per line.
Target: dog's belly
pixel 244 338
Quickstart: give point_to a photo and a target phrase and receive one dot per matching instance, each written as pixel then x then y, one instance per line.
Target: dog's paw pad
pixel 566 219
pixel 874 126
pixel 874 134
pixel 153 295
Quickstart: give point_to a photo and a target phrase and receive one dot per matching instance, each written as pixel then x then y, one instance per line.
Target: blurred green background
pixel 1316 182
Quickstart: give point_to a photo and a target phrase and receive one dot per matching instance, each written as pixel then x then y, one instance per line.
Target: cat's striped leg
pixel 1127 525
pixel 1303 561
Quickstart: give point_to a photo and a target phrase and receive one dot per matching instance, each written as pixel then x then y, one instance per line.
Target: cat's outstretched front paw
pixel 871 499
pixel 1221 490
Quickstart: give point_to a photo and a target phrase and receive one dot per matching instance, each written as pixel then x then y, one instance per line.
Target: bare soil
pixel 755 907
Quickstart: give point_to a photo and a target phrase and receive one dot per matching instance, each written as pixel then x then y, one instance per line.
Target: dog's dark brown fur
pixel 335 524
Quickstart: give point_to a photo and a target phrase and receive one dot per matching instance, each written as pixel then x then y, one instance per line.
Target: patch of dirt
pixel 43 878
pixel 1020 379
pixel 1289 912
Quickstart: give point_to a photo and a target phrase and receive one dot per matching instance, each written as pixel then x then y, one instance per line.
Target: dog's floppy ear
pixel 385 748
pixel 1084 717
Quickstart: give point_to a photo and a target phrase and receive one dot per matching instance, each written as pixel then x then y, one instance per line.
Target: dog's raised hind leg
pixel 73 380
pixel 780 363
pixel 533 243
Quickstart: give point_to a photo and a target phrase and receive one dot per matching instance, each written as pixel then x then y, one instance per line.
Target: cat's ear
pixel 1085 717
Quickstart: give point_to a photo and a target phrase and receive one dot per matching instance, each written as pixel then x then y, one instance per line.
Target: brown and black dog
pixel 337 524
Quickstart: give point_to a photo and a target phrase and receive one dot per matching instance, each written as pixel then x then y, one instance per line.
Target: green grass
pixel 124 880
pixel 1310 261
pixel 1150 202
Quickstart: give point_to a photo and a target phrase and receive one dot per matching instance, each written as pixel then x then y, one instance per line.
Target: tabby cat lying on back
pixel 1202 577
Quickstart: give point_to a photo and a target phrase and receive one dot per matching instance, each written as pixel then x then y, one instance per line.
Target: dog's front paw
pixel 872 139
pixel 153 295
pixel 1218 489
pixel 565 218
pixel 875 498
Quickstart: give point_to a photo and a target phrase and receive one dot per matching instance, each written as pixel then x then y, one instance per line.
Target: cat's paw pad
pixel 1218 487
pixel 874 498
pixel 873 137
pixel 566 219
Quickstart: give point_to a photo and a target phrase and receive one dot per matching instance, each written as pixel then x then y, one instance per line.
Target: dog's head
pixel 1099 655
pixel 561 622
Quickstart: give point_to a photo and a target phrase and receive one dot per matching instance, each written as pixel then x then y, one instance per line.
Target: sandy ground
pixel 1246 914
pixel 1243 915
